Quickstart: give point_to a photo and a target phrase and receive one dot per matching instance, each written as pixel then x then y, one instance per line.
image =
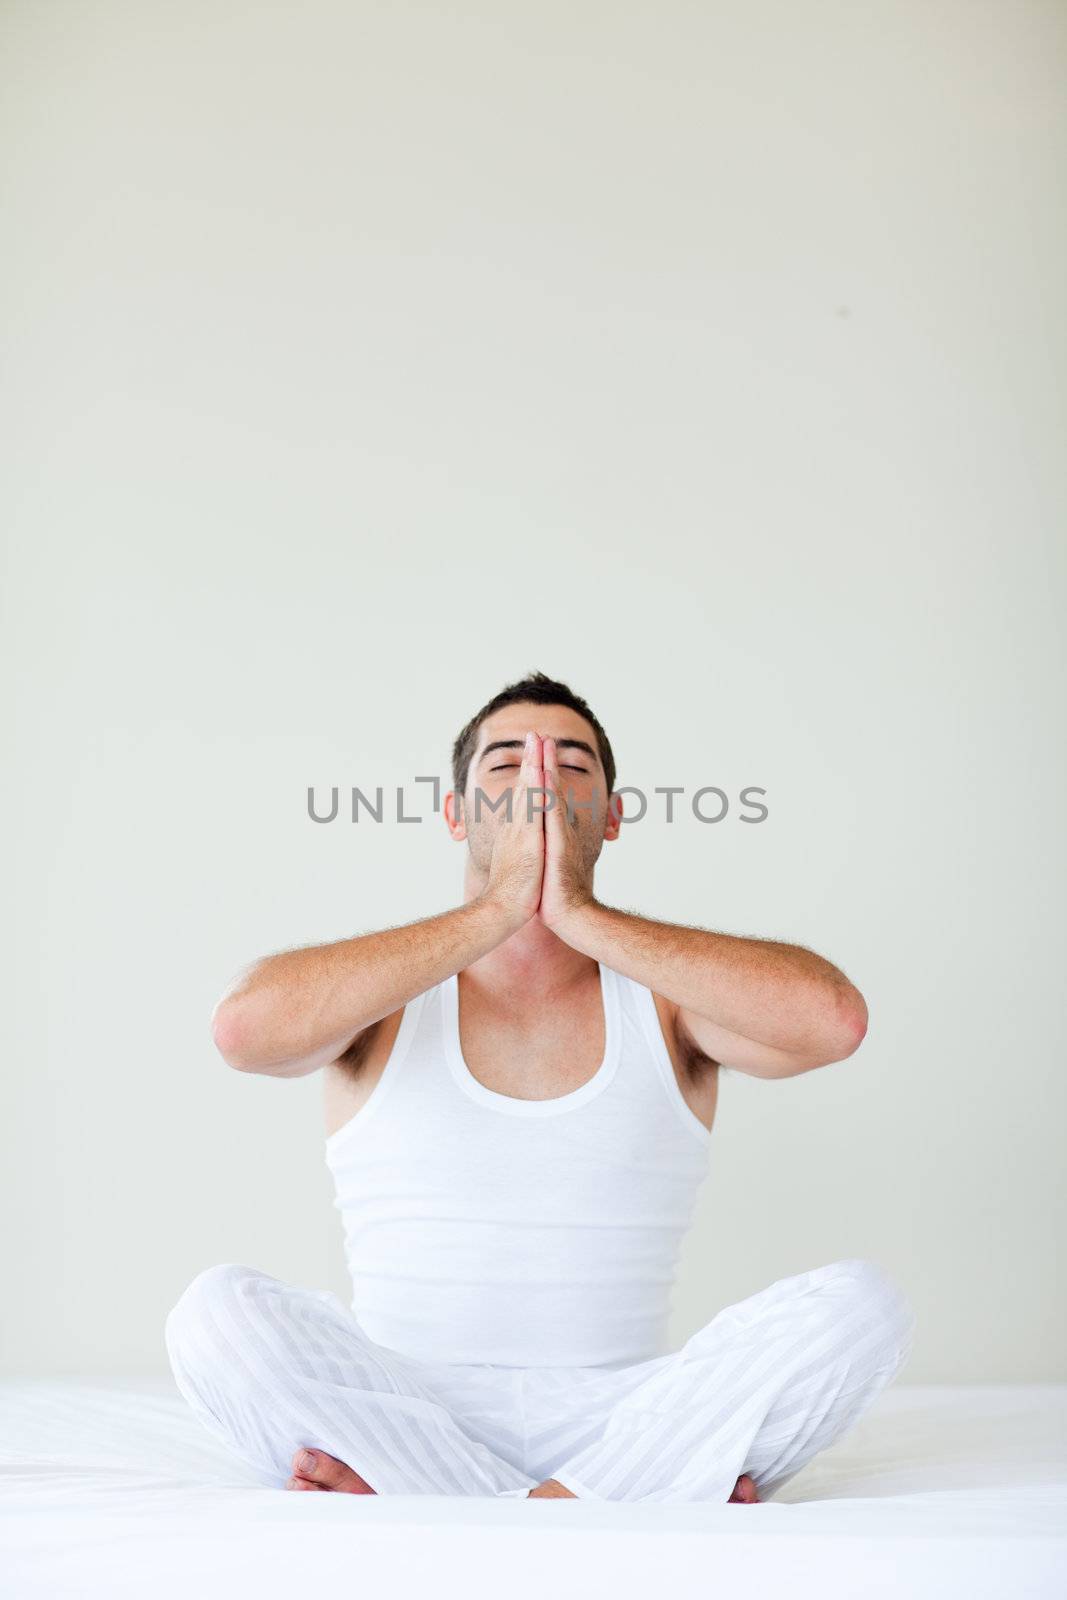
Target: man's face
pixel 495 766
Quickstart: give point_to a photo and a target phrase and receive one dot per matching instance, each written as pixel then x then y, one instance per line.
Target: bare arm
pixel 291 1013
pixel 768 1009
pixel 765 1008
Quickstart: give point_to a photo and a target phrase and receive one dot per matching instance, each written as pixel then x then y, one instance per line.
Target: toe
pixel 326 1472
pixel 744 1492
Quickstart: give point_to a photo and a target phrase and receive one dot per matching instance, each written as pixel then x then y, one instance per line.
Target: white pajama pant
pixel 763 1387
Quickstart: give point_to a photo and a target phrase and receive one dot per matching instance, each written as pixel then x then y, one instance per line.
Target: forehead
pixel 551 722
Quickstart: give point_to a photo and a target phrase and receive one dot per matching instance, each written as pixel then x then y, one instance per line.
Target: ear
pixel 457 825
pixel 614 822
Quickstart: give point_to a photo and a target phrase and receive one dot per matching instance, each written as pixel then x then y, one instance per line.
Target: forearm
pixel 292 1012
pixel 779 995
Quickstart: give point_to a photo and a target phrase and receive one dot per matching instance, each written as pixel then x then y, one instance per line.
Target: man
pixel 519 1094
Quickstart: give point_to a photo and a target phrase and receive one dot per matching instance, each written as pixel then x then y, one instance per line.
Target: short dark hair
pixel 543 691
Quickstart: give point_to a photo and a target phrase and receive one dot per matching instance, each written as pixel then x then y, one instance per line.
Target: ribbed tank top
pixel 481 1228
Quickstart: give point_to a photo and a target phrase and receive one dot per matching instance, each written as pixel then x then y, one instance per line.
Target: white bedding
pixel 114 1489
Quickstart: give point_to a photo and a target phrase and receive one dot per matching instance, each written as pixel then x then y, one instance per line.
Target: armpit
pixel 354 1056
pixel 694 1059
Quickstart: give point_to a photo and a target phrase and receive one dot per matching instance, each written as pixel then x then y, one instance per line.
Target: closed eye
pixel 510 765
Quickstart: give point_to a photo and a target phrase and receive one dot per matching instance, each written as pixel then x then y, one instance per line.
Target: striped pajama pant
pixel 761 1389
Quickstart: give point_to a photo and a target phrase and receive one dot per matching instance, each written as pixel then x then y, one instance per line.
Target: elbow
pixel 836 1032
pixel 241 1033
pixel 849 1023
pixel 229 1033
pixel 841 1030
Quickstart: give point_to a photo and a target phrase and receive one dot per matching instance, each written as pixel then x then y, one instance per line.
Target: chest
pixel 532 1055
pixel 527 1057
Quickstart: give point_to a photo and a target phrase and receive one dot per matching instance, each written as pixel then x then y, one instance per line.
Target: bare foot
pixel 744 1492
pixel 314 1469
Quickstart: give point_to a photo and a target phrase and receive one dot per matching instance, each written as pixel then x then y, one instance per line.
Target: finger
pixel 532 777
pixel 554 784
pixel 535 758
pixel 529 765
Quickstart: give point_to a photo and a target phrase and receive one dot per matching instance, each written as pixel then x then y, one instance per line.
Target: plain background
pixel 361 358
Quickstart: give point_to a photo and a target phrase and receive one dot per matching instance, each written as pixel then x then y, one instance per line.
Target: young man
pixel 520 1093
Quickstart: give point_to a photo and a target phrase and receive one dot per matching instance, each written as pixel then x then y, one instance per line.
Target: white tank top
pixel 524 1233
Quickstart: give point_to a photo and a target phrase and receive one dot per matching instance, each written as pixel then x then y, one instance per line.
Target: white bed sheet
pixel 114 1489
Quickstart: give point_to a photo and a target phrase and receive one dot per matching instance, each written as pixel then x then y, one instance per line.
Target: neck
pixel 533 962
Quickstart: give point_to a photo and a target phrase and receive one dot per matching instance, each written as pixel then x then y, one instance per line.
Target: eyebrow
pixel 517 744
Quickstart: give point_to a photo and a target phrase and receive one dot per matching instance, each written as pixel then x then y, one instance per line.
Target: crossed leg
pixel 272 1369
pixel 756 1393
pixel 288 1380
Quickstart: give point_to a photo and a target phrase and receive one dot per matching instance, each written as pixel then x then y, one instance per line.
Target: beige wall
pixel 361 358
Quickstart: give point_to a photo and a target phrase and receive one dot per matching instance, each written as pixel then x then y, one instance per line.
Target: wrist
pixel 503 916
pixel 576 920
